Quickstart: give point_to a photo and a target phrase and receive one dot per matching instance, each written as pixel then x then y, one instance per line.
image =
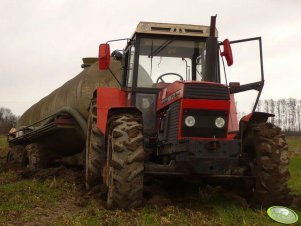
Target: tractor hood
pixel 192 90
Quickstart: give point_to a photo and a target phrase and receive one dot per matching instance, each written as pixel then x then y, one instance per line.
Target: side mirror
pixel 227 52
pixel 104 56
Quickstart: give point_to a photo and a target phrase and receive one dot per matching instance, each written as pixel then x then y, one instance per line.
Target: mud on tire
pixel 38 156
pixel 17 155
pixel 125 163
pixel 270 166
pixel 95 157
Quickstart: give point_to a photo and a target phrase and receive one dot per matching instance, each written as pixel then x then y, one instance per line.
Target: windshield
pixel 168 60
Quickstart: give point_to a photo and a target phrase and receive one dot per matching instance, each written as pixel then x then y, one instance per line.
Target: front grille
pixel 173 122
pixel 206 91
pixel 205 124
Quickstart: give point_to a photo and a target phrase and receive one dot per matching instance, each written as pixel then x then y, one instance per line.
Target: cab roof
pixel 174 29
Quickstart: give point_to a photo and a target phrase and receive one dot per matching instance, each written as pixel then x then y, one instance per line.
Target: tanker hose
pixel 77 116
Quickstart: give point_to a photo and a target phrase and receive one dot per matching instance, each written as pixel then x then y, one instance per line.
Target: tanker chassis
pixel 158 107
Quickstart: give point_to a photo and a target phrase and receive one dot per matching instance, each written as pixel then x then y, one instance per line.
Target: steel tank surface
pixel 75 93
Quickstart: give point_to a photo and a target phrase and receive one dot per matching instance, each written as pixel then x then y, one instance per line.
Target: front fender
pixel 256 117
pixel 253 118
pixel 111 101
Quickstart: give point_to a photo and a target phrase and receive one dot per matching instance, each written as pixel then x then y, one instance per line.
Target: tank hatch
pixel 88 61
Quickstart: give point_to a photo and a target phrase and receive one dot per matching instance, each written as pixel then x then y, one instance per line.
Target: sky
pixel 43 41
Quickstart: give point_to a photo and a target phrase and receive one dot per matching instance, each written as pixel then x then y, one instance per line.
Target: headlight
pixel 189 121
pixel 219 122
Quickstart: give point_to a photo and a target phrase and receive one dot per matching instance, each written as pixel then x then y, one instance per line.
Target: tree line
pixel 7 120
pixel 287 113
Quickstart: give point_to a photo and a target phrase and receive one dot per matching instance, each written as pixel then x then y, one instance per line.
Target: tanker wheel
pixel 95 157
pixel 38 156
pixel 270 166
pixel 125 162
pixel 17 155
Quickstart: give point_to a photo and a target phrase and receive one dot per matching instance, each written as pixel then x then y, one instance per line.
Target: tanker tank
pixel 72 100
pixel 59 120
pixel 75 93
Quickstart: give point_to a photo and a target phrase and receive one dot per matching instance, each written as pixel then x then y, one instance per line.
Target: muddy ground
pixel 74 200
pixel 158 194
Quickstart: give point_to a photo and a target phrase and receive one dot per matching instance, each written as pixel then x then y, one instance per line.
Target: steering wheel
pixel 169 73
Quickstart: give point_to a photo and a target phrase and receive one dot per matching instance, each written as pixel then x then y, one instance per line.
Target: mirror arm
pixel 114 76
pixel 251 86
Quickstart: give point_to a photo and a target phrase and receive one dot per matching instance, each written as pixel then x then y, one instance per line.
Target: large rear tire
pixel 270 165
pixel 17 155
pixel 38 155
pixel 125 162
pixel 95 156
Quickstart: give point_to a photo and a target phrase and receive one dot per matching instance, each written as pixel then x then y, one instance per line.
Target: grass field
pixel 294 145
pixel 57 197
pixel 3 143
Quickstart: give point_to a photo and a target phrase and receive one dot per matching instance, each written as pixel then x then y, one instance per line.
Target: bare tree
pixel 292 114
pixel 266 106
pixel 298 114
pixel 287 113
pixel 272 109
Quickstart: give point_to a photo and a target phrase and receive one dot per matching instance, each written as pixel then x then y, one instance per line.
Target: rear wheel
pixel 95 157
pixel 270 165
pixel 125 166
pixel 38 156
pixel 17 155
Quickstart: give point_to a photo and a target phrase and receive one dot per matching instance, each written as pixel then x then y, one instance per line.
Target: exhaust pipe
pixel 212 26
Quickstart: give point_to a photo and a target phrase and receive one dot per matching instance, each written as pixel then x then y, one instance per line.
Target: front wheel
pixel 125 165
pixel 269 166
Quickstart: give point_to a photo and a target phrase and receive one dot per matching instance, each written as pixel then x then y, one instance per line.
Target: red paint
pixel 206 104
pixel 233 122
pixel 108 98
pixel 170 89
pixel 104 56
pixel 161 85
pixel 167 92
pixel 227 52
pixel 247 118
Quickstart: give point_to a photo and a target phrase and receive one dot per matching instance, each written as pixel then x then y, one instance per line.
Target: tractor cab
pixel 164 53
pixel 165 65
pixel 157 56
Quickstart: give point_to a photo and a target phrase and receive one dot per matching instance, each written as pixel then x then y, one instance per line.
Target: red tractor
pixel 171 115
